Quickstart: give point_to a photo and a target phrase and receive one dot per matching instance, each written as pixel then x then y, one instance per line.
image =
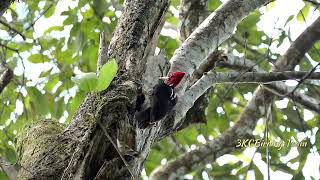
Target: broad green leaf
pixel 86 82
pixel 38 58
pixel 50 11
pixel 58 108
pixel 173 20
pixel 74 104
pixel 303 13
pixel 213 4
pixel 53 80
pixel 65 57
pixel 107 73
pixel 39 101
pixel 3 175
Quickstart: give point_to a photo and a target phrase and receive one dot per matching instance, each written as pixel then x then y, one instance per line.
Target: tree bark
pixel 82 150
pixel 6 75
pixel 246 123
pixel 192 13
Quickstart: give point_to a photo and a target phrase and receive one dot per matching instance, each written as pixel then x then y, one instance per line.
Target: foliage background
pixel 59 40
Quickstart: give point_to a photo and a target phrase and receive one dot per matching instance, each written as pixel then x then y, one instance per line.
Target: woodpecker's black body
pixel 162 102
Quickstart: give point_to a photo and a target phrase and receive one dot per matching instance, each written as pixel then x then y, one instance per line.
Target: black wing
pixel 161 101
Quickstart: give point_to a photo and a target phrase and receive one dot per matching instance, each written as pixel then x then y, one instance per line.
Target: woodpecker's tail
pixel 143 118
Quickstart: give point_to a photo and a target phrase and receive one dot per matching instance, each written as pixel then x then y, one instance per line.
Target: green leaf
pixel 74 104
pixel 3 175
pixel 53 80
pixel 213 4
pixel 58 108
pixel 318 140
pixel 86 82
pixel 53 28
pixel 50 11
pixel 107 73
pixel 65 57
pixel 173 20
pixel 298 176
pixel 39 101
pixel 288 20
pixel 38 58
pixel 303 13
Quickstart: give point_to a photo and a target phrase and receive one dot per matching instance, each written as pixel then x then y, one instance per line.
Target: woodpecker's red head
pixel 174 78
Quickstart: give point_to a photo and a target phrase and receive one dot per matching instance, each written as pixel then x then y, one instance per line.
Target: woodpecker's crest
pixel 174 78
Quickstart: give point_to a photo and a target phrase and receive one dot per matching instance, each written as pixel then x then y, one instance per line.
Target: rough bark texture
pixel 247 120
pixel 6 75
pixel 217 27
pixel 192 13
pixel 82 151
pixel 255 77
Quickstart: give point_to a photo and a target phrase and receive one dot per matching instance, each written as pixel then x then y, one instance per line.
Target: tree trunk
pixel 104 125
pixel 82 151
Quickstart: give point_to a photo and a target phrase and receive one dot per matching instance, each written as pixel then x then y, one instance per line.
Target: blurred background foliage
pixel 58 40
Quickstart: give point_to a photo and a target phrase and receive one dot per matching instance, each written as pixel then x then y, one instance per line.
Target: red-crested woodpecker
pixel 162 101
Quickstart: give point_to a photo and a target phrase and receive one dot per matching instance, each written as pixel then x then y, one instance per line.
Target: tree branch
pixel 12 29
pixel 206 38
pixel 246 122
pixel 192 14
pixel 80 150
pixel 252 77
pixel 277 88
pixel 9 169
pixel 212 31
pixel 316 3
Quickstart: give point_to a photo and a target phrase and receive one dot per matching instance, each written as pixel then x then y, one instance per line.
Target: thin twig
pixel 9 48
pixel 302 80
pixel 40 15
pixel 116 147
pixel 12 29
pixel 316 3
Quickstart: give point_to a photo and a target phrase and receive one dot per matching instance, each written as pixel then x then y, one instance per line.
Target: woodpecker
pixel 162 101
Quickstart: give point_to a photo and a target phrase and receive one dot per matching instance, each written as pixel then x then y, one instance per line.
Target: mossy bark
pixel 82 150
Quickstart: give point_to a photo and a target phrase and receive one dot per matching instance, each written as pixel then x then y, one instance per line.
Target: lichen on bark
pixel 33 142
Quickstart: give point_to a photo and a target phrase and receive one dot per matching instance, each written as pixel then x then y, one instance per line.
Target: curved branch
pixel 12 29
pixel 252 77
pixel 246 122
pixel 192 13
pixel 206 38
pixel 217 27
pixel 277 88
